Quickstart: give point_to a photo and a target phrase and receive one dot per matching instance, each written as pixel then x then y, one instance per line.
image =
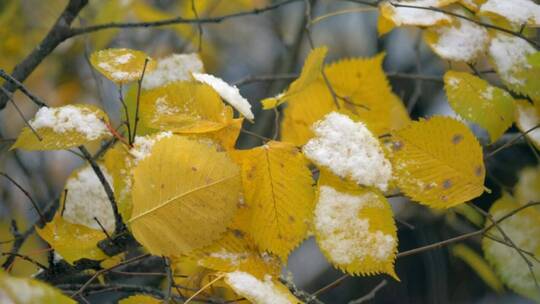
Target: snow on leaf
pixel 517 12
pixel 414 16
pixel 15 290
pixel 229 93
pixel 509 55
pixel 64 127
pixel 278 196
pixel 523 228
pixel 176 67
pixel 311 71
pixel 184 196
pixel 354 227
pixel 121 65
pixel 142 146
pixel 362 83
pixel 266 291
pixel 184 107
pixel 349 150
pixel 527 118
pixel 459 41
pixel 527 188
pixel 438 162
pixel 476 100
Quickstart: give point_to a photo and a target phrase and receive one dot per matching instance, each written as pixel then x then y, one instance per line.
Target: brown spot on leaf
pixel 457 138
pixel 237 233
pixel 291 218
pixel 194 169
pixel 444 198
pixel 447 184
pixel 478 171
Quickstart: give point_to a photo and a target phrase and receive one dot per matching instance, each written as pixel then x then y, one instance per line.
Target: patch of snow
pixel 343 234
pixel 528 118
pixel 510 55
pixel 229 93
pixel 142 146
pixel 488 93
pixel 415 16
pixel 349 150
pixel 518 12
pixel 177 67
pixel 123 59
pixel 463 42
pixel 70 118
pixel 255 290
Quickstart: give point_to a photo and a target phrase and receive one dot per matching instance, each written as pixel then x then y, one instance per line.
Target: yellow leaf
pixel 528 118
pixel 184 107
pixel 523 228
pixel 354 227
pixel 72 241
pixel 368 95
pixel 121 65
pixel 401 16
pixel 438 162
pixel 311 71
pixel 227 136
pixel 479 265
pixel 279 196
pixel 15 290
pixel 184 196
pixel 64 127
pixel 384 25
pixel 510 57
pixel 477 101
pixel 527 188
pixel 518 12
pixel 140 299
pixel 266 291
pixel 117 162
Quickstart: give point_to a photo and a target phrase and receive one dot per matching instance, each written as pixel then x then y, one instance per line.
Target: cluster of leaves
pixel 347 143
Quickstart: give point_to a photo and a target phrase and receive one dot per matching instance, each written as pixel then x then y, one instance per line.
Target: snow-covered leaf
pixel 176 67
pixel 517 12
pixel 527 118
pixel 527 188
pixel 401 16
pixel 121 65
pixel 257 291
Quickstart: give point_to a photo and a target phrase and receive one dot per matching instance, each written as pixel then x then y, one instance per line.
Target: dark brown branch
pixel 59 32
pixel 24 257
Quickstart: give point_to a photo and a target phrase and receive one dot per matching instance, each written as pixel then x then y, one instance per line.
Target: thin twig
pixel 139 88
pixel 34 203
pixel 371 295
pixel 21 114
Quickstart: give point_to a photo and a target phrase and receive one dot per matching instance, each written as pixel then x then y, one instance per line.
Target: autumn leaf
pixel 476 100
pixel 257 291
pixel 184 107
pixel 185 194
pixel 354 227
pixel 527 188
pixel 121 65
pixel 311 71
pixel 517 12
pixel 279 195
pixel 524 230
pixel 438 162
pixel 63 128
pixel 118 164
pixel 15 290
pixel 413 16
pixel 527 119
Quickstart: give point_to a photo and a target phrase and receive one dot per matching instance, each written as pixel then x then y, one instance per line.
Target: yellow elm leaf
pixel 354 227
pixel 185 194
pixel 461 40
pixel 140 299
pixel 234 251
pixel 121 65
pixel 72 241
pixel 510 57
pixel 311 71
pixel 527 118
pixel 479 265
pixel 279 195
pixel 438 162
pixel 257 291
pixel 384 25
pixel 15 290
pixel 523 228
pixel 117 162
pixel 527 188
pixel 362 82
pixel 225 137
pixel 474 99
pixel 401 16
pixel 64 127
pixel 184 107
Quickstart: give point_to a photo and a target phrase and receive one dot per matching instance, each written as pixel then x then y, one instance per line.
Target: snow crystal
pixel 528 118
pixel 255 290
pixel 142 146
pixel 345 236
pixel 123 59
pixel 516 11
pixel 163 107
pixel 70 118
pixel 229 93
pixel 461 43
pixel 232 257
pixel 510 55
pixel 415 16
pixel 177 67
pixel 349 149
pixel 87 199
pixel 488 93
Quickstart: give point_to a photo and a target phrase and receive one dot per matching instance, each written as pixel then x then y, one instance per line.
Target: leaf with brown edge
pixel 438 162
pixel 185 194
pixel 64 127
pixel 354 227
pixel 121 65
pixel 278 195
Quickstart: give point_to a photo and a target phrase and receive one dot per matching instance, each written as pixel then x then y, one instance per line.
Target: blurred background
pixel 264 44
